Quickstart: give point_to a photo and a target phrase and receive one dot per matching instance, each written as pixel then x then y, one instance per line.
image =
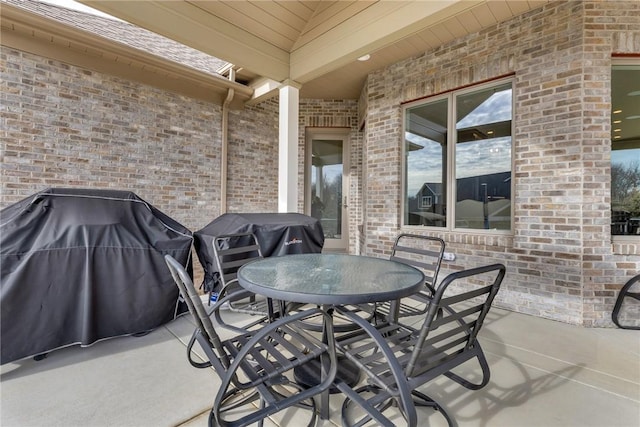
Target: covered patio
pixel 87 103
pixel 93 102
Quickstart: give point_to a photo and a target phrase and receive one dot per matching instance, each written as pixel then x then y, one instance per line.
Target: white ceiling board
pixel 253 20
pixel 307 41
pixel 187 24
pixel 484 15
pixel 378 26
pixel 518 7
pixel 280 11
pixel 500 10
pixel 469 22
pixel 330 18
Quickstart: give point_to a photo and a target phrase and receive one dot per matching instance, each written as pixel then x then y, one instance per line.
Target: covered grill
pixel 82 265
pixel 277 233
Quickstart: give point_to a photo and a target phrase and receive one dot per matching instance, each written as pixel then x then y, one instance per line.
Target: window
pixel 426 202
pixel 458 151
pixel 625 148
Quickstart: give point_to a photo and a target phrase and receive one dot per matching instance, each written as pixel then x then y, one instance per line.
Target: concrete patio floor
pixel 544 373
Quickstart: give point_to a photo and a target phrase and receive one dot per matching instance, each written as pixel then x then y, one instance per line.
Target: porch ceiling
pixel 314 43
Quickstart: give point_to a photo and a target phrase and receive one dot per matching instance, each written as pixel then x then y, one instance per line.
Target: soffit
pixel 315 43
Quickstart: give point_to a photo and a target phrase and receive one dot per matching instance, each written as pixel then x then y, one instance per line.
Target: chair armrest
pixel 222 303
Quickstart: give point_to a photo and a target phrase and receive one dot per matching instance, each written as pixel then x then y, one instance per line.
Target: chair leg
pixel 310 406
pixel 193 363
pixel 373 409
pixel 486 373
pixel 421 399
pixel 246 397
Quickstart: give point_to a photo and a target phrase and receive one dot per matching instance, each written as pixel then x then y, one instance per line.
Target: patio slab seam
pixel 586 376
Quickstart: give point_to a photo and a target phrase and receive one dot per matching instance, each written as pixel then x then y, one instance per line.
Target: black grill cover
pixel 80 265
pixel 277 233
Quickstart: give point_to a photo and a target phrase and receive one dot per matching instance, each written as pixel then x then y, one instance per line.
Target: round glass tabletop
pixel 330 278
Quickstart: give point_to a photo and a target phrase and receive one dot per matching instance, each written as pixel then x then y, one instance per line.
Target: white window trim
pixel 620 239
pixel 450 194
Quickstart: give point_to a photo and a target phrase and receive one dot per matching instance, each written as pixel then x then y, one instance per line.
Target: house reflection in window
pixel 458 150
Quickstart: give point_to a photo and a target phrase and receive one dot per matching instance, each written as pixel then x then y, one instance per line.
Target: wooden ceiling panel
pixel 404 49
pixel 446 32
pixel 332 15
pixel 325 5
pixel 518 7
pixel 254 20
pixel 265 22
pixel 483 14
pixel 424 40
pixel 389 56
pixel 280 12
pixel 315 42
pixel 468 22
pixel 500 10
pixel 304 9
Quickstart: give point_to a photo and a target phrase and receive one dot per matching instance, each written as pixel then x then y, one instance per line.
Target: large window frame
pixel 625 114
pixel 449 161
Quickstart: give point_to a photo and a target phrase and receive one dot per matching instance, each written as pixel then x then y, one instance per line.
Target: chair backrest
pixel 452 323
pixel 232 251
pixel 196 308
pixel 423 252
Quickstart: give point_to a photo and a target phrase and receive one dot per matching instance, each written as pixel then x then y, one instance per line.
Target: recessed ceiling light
pixel 364 57
pixel 617 130
pixel 617 121
pixel 617 137
pixel 617 112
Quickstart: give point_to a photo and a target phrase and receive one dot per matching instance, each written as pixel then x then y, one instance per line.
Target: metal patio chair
pixel 627 295
pixel 397 358
pixel 424 253
pixel 255 366
pixel 232 251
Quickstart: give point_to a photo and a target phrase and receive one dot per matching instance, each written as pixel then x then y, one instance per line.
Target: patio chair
pixel 424 253
pixel 398 358
pixel 232 251
pixel 626 292
pixel 254 366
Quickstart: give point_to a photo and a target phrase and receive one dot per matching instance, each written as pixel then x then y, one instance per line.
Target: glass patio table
pixel 330 280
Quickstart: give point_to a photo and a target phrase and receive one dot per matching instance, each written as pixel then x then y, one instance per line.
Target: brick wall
pixel 68 127
pixel 560 259
pixel 252 184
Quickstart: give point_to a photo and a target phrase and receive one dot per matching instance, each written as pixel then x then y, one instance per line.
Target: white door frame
pixel 337 134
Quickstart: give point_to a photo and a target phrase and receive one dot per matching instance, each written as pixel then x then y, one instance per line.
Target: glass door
pixel 326 185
